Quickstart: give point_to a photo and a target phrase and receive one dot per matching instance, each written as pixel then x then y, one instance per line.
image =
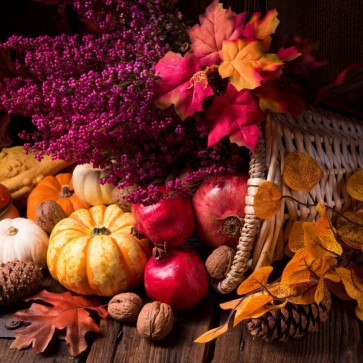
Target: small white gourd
pixel 22 239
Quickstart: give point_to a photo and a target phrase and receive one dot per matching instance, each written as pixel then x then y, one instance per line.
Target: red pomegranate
pixel 219 209
pixel 169 221
pixel 178 278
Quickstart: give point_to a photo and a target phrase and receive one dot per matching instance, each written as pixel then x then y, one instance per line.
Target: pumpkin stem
pixel 100 230
pixel 65 191
pixel 11 231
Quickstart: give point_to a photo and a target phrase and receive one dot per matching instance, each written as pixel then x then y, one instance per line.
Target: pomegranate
pixel 169 221
pixel 177 278
pixel 219 209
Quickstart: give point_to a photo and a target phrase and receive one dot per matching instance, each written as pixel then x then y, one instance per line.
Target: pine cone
pixel 18 279
pixel 292 321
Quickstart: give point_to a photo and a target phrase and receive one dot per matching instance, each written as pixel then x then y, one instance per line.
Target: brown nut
pixel 155 320
pixel 48 214
pixel 219 262
pixel 125 307
pixel 119 197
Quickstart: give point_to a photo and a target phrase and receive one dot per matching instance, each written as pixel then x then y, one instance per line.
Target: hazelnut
pixel 125 307
pixel 48 214
pixel 219 262
pixel 155 320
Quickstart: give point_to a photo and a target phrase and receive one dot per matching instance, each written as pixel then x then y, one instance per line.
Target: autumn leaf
pixel 279 99
pixel 216 25
pixel 350 228
pixel 296 236
pixel 296 270
pixel 212 334
pixel 262 28
pixel 267 201
pixel 66 311
pixel 297 293
pixel 301 171
pixel 354 287
pixel 355 185
pixel 245 63
pixel 235 115
pixel 257 280
pixel 252 306
pixel 182 84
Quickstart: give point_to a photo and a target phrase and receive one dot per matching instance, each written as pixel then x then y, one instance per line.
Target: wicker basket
pixel 335 142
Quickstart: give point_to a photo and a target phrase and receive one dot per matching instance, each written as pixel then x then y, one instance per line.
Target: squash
pixel 22 239
pixel 20 172
pixel 86 182
pixel 93 252
pixel 58 188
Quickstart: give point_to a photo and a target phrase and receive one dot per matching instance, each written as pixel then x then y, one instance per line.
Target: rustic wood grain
pixel 178 346
pixel 338 340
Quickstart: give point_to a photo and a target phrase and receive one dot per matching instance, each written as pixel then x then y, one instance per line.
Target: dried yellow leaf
pixel 301 172
pixel 257 280
pixel 212 334
pixel 355 185
pixel 267 201
pixel 351 233
pixel 296 270
pixel 296 236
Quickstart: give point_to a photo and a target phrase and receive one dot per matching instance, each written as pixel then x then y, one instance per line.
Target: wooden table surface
pixel 339 340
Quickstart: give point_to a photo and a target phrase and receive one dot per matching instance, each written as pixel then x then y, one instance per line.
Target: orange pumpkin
pixel 93 252
pixel 58 188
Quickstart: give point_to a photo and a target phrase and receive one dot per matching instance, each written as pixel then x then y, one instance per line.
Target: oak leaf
pixel 183 84
pixel 62 311
pixel 301 171
pixel 234 114
pixel 246 64
pixel 355 185
pixel 267 201
pixel 216 25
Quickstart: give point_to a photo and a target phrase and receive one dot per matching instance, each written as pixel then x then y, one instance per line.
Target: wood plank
pixel 178 346
pixel 338 340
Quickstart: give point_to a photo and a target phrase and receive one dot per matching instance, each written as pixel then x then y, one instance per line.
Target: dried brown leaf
pixel 355 185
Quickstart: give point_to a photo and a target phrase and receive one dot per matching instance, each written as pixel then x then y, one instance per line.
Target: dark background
pixel 335 24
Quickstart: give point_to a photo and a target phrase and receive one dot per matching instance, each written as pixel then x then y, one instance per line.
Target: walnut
pixel 219 262
pixel 48 214
pixel 155 320
pixel 125 307
pixel 119 197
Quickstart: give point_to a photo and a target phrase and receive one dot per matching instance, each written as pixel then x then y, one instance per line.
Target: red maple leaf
pixel 216 25
pixel 236 114
pixel 182 84
pixel 63 311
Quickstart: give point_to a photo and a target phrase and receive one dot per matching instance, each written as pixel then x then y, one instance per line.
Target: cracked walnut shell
pixel 155 320
pixel 125 307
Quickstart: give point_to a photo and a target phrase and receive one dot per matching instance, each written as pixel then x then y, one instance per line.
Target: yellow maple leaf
pixel 355 185
pixel 265 27
pixel 267 201
pixel 243 62
pixel 257 280
pixel 301 172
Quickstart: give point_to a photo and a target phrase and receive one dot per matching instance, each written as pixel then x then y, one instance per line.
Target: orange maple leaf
pixel 246 64
pixel 66 311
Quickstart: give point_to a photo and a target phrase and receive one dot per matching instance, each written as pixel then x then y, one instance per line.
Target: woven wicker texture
pixel 335 142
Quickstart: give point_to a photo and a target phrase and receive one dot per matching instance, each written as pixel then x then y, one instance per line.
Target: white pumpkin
pixel 87 186
pixel 22 239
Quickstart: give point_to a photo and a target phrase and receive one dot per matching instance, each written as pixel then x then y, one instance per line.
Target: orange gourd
pixel 93 252
pixel 58 188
